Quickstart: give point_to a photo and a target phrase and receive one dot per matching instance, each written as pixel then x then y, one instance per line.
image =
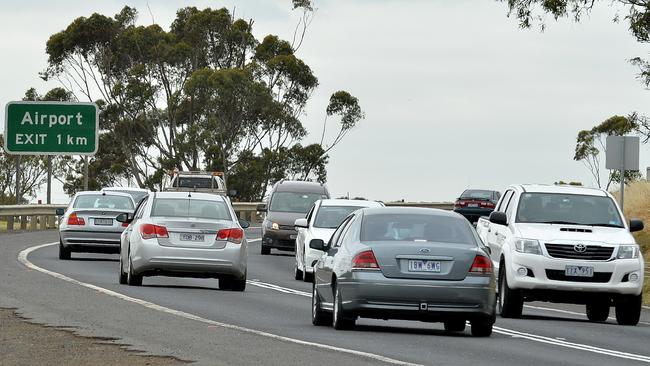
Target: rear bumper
pixel 91 241
pixel 370 294
pixel 280 239
pixel 151 259
pixel 473 214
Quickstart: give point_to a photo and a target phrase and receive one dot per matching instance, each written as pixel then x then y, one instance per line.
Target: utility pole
pixel 85 172
pixel 622 194
pixel 49 180
pixel 18 195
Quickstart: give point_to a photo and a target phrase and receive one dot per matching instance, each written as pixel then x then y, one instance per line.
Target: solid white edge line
pixel 22 257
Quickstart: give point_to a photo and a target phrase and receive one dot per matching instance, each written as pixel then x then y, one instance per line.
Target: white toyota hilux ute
pixel 564 244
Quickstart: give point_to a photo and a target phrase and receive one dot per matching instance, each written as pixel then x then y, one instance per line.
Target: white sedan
pixel 321 221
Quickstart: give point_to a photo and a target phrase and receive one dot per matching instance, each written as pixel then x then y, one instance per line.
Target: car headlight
pixel 530 246
pixel 272 225
pixel 627 252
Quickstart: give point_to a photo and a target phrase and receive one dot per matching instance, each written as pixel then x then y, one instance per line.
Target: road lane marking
pixel 508 332
pixel 570 312
pixel 22 257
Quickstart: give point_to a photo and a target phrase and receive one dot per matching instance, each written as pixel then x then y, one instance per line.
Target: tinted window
pixel 194 182
pixel 412 227
pixel 330 217
pixel 181 207
pixel 103 201
pixel 568 208
pixel 293 201
pixel 476 194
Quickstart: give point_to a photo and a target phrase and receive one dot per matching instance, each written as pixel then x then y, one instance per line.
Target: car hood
pixel 552 233
pixel 321 233
pixel 285 218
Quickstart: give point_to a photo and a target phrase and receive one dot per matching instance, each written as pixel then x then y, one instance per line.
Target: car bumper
pixel 280 239
pixel 91 241
pixel 151 259
pixel 614 275
pixel 370 294
pixel 473 214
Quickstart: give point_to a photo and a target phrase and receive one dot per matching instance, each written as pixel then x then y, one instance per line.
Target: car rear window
pixel 476 194
pixel 194 182
pixel 416 227
pixel 187 207
pixel 103 201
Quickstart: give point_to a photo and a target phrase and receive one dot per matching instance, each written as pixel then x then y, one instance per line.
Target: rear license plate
pixel 104 222
pixel 192 237
pixel 423 266
pixel 472 205
pixel 579 271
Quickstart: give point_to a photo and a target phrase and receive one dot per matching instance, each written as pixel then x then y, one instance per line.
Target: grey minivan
pixel 288 201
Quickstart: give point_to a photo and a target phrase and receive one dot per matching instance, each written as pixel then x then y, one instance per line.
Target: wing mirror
pixel 636 225
pixel 124 217
pixel 60 211
pixel 499 218
pixel 318 244
pixel 244 224
pixel 301 223
pixel 262 207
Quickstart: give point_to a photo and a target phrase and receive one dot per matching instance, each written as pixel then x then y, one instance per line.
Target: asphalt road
pixel 270 322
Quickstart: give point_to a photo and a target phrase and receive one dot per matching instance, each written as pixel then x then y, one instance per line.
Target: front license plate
pixel 472 205
pixel 424 266
pixel 104 222
pixel 292 237
pixel 192 237
pixel 579 271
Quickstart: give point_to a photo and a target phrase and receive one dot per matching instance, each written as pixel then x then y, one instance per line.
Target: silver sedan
pixel 89 223
pixel 404 263
pixel 184 234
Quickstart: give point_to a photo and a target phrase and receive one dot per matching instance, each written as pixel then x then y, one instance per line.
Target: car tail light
pixel 150 231
pixel 125 224
pixel 481 265
pixel 365 260
pixel 74 220
pixel 459 204
pixel 234 235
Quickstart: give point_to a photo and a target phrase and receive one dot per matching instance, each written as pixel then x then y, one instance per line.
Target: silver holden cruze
pixel 405 263
pixel 184 234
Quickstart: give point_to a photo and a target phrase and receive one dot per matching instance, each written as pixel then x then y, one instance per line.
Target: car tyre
pixel 123 275
pixel 264 250
pixel 598 311
pixel 455 325
pixel 131 278
pixel 482 327
pixel 64 253
pixel 319 317
pixel 628 309
pixel 342 321
pixel 308 277
pixel 297 273
pixel 225 284
pixel 510 302
pixel 238 284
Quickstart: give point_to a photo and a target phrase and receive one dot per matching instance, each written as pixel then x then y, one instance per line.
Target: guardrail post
pixel 33 222
pixel 44 222
pixel 51 222
pixel 10 223
pixel 23 222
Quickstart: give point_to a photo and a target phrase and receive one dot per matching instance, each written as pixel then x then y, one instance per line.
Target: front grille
pixel 591 253
pixel 559 275
pixel 287 227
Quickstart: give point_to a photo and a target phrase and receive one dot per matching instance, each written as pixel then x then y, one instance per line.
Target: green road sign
pixel 51 128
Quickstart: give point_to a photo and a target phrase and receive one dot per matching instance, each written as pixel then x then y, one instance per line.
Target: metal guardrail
pixel 33 217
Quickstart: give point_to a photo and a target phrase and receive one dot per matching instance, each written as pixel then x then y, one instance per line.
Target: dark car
pixel 474 203
pixel 288 201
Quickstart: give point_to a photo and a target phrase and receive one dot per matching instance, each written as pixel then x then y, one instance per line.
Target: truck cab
pixel 564 244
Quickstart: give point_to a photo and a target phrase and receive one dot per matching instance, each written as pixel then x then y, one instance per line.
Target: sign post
pixel 622 154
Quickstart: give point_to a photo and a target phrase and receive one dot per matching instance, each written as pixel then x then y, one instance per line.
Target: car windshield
pixel 476 194
pixel 299 202
pixel 330 217
pixel 194 182
pixel 554 208
pixel 103 201
pixel 416 227
pixel 187 207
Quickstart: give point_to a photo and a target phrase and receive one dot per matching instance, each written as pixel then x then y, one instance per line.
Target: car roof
pixel 107 193
pixel 408 210
pixel 194 195
pixel 560 188
pixel 353 203
pixel 299 186
pixel 132 189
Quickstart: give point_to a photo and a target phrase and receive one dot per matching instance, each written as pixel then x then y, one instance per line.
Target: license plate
pixel 472 205
pixel 104 222
pixel 192 237
pixel 579 271
pixel 292 237
pixel 424 266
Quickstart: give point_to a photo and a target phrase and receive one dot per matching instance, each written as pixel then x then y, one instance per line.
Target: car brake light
pixel 481 265
pixel 459 204
pixel 365 260
pixel 234 235
pixel 150 231
pixel 74 220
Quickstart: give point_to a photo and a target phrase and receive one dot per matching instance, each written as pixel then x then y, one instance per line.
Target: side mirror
pixel 499 218
pixel 60 211
pixel 244 224
pixel 261 207
pixel 124 217
pixel 318 244
pixel 232 193
pixel 302 223
pixel 636 225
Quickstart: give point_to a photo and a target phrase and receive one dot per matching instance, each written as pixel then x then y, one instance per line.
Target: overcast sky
pixel 455 94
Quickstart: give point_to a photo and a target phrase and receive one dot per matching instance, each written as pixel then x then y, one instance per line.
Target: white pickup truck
pixel 564 244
